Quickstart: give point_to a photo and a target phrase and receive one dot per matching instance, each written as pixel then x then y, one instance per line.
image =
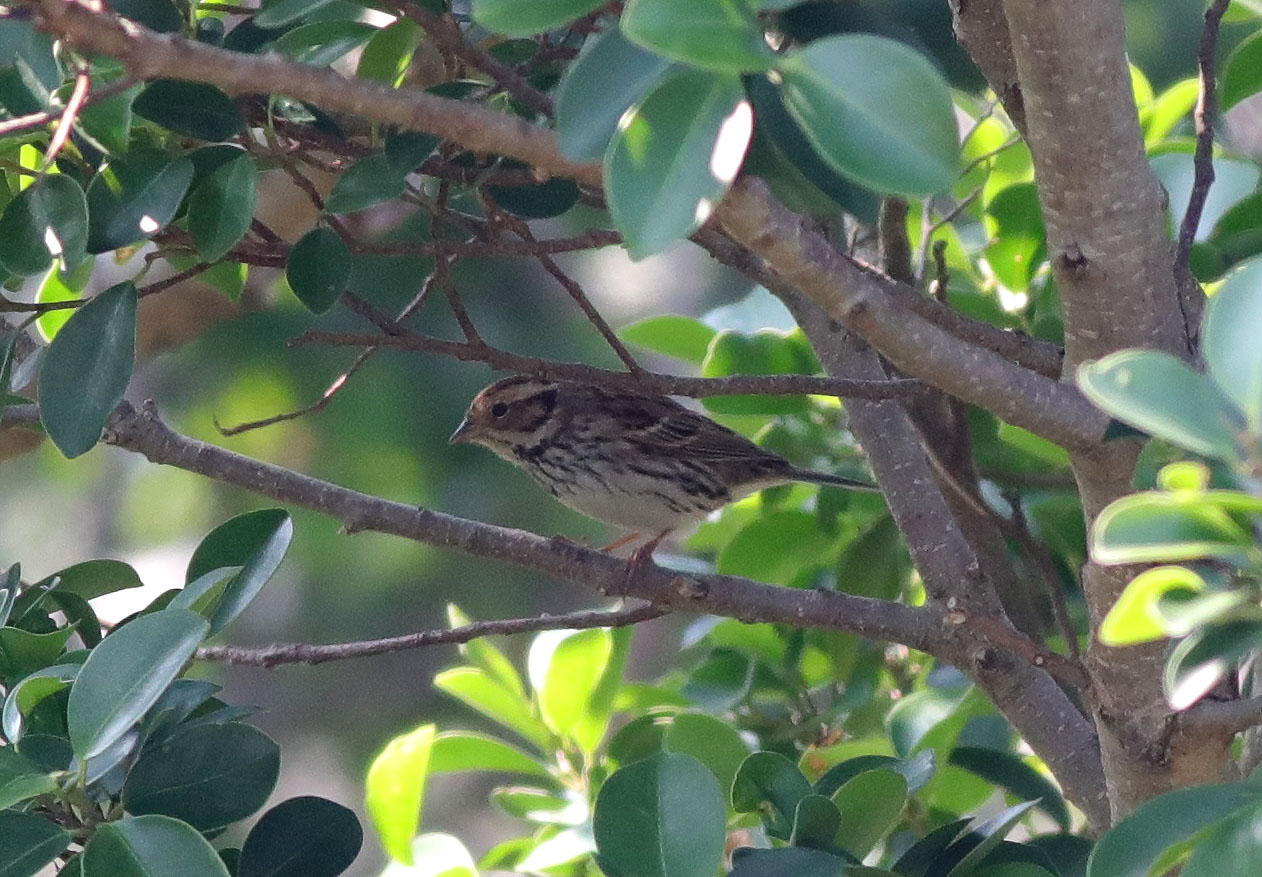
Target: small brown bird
pixel 643 463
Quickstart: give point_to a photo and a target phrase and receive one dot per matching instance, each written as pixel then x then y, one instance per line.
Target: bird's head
pixel 512 413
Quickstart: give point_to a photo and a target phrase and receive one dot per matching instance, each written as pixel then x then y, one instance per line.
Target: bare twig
pixel 82 84
pixel 318 405
pixel 308 653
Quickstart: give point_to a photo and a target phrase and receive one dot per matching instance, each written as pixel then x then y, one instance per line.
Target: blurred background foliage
pixel 208 360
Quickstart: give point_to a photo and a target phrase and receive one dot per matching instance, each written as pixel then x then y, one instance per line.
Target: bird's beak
pixel 465 434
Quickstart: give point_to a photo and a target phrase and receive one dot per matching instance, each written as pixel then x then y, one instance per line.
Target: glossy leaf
pixel 917 770
pixel 126 674
pixel 462 751
pixel 1242 74
pixel 815 824
pixel 565 668
pixel 479 691
pixel 1204 658
pixel 301 837
pixel 372 180
pixel 319 269
pixel 720 35
pixel 769 783
pixel 1161 831
pixel 256 542
pixel 134 197
pixel 394 790
pixel 24 788
pixel 279 13
pixel 714 743
pixel 609 76
pixel 747 555
pixel 28 843
pixel 94 578
pixel 1232 847
pixel 87 368
pixel 26 693
pixel 191 108
pixel 47 220
pixel 1011 772
pixel 721 681
pixel 106 124
pixel 320 43
pixel 150 846
pixel 1163 396
pixel 523 18
pixel 1136 617
pixel 1157 526
pixel 640 811
pixel 674 156
pixel 206 775
pixel 870 806
pixel 798 861
pixel 9 590
pixel 387 55
pixel 222 206
pixel 437 855
pixel 481 653
pixel 992 831
pixel 894 132
pixel 1233 358
pixel 672 335
pixel 764 352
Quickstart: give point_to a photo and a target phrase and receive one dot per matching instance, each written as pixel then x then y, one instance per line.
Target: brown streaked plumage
pixel 644 463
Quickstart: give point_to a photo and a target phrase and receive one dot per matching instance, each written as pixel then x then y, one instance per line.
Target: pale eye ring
pixel 499 409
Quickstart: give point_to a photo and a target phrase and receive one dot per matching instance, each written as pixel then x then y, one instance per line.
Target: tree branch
pixel 308 653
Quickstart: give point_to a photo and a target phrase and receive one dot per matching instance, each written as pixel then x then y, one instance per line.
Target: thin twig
pixel 318 405
pixel 19 124
pixel 82 85
pixel 308 653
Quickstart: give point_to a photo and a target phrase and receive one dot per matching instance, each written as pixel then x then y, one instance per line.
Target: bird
pixel 642 463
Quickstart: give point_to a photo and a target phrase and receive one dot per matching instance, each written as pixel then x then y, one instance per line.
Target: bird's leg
pixel 618 543
pixel 642 555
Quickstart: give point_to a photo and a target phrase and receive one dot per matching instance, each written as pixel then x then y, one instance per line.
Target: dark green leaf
pixel 870 806
pixel 405 150
pixel 720 35
pixel 126 674
pixel 1242 74
pixel 674 156
pixel 47 220
pixel 895 132
pixel 1012 773
pixel 23 652
pixel 1233 359
pixel 221 207
pixel 1161 831
pixel 1205 657
pixel 609 76
pixel 523 18
pixel 159 15
pixel 28 692
pixel 94 578
pixel 800 862
pixel 134 197
pixel 320 43
pixel 992 831
pixel 714 743
pixel 917 770
pixel 1156 526
pixel 256 542
pixel 86 369
pixel 9 590
pixel 150 846
pixel 24 788
pixel 371 180
pixel 206 775
pixel 278 13
pixel 28 843
pixel 721 682
pixel 191 108
pixel 1232 847
pixel 639 808
pixel 539 201
pixel 319 269
pixel 770 784
pixel 302 837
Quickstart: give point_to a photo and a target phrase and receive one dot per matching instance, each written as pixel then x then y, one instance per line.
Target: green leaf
pixel 1014 229
pixel 1136 617
pixel 1163 396
pixel 719 35
pixel 23 652
pixel 870 806
pixel 764 352
pixel 463 751
pixel 86 369
pixel 406 150
pixel 150 846
pixel 747 553
pixel 47 220
pixel 256 542
pixel 94 578
pixel 24 695
pixel 524 18
pixel 126 673
pixel 1205 657
pixel 1170 108
pixel 815 823
pixel 1159 526
pixel 210 776
pixel 371 180
pixel 714 743
pixel 798 861
pixel 221 207
pixel 394 790
pixel 674 156
pixel 24 788
pixel 319 269
pixel 770 784
pixel 279 13
pixel 481 692
pixel 683 338
pixel 482 654
pixel 1005 769
pixel 875 562
pixel 1162 830
pixel 28 843
pixel 992 831
pixel 1242 74
pixel 9 590
pixel 661 817
pixel 159 15
pixel 320 43
pixel 543 200
pixel 389 53
pixel 134 197
pixel 721 682
pixel 302 837
pixel 565 668
pixel 1232 847
pixel 895 132
pixel 917 770
pixel 609 76
pixel 191 108
pixel 1233 359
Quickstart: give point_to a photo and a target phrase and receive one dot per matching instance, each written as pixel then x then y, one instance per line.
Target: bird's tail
pixel 812 477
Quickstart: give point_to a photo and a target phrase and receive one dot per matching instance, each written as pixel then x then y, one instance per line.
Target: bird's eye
pixel 499 409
